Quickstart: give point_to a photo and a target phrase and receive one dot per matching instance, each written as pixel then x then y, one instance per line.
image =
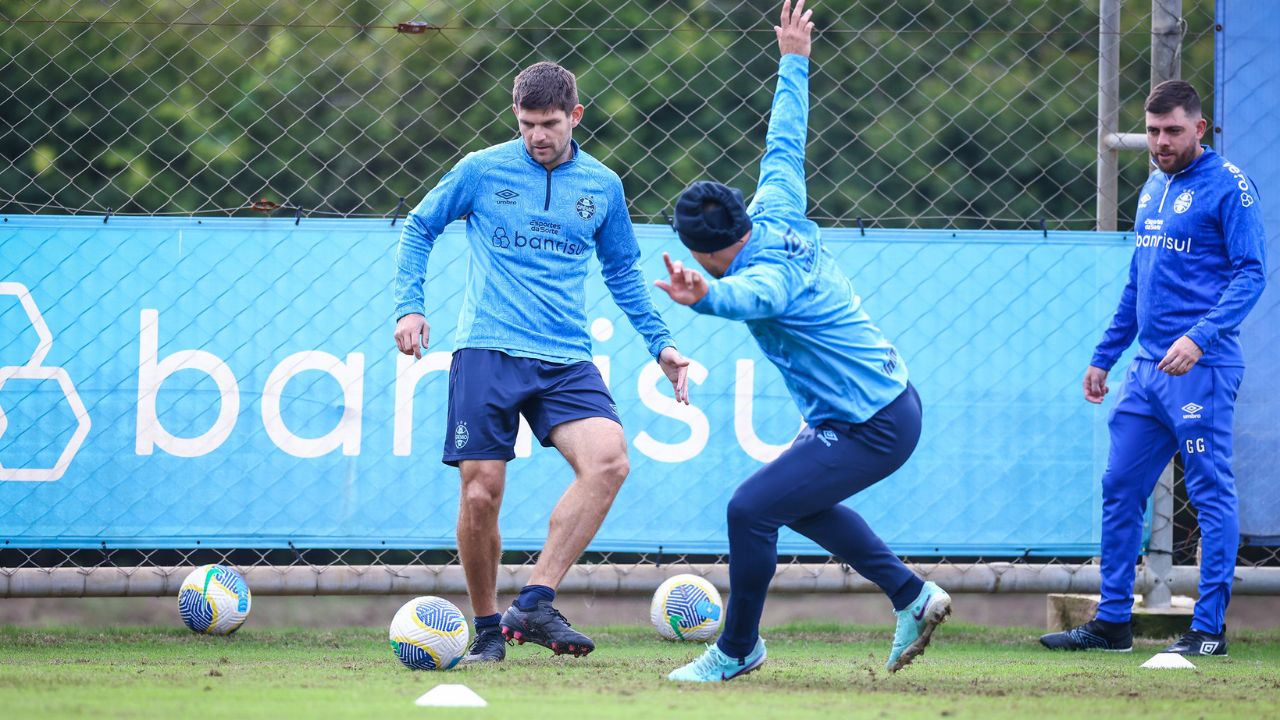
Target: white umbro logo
pixel 1207 648
pixel 1192 411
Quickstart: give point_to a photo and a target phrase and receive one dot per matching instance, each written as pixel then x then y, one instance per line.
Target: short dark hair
pixel 1172 94
pixel 544 86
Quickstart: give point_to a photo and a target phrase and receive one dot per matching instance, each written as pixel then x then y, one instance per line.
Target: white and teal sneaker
pixel 916 624
pixel 715 666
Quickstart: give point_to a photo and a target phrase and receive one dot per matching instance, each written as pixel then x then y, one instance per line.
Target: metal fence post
pixel 1160 550
pixel 1167 27
pixel 1108 111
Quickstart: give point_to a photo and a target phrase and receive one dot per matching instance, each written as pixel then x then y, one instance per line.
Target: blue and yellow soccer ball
pixel 429 633
pixel 687 607
pixel 214 600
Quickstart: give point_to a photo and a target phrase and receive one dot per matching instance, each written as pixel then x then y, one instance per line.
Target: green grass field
pixel 814 670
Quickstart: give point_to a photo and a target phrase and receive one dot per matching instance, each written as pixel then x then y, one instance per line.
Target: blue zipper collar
pixel 573 157
pixel 1195 164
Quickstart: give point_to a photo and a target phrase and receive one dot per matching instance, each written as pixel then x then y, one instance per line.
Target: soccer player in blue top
pixel 1197 270
pixel 536 209
pixel 769 268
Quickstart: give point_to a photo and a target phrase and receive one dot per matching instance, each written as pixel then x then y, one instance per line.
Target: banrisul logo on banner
pixel 34 370
pixel 153 371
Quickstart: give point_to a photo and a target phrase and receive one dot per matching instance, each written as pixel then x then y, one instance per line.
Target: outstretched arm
pixel 760 291
pixel 782 177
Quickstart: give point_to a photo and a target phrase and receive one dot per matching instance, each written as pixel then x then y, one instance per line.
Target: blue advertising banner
pixel 1247 99
pixel 234 383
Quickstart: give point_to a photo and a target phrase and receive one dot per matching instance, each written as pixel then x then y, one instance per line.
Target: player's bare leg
pixel 479 540
pixel 597 451
pixel 480 547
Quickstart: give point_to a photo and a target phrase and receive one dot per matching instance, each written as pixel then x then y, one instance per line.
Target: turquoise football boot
pixel 916 625
pixel 715 666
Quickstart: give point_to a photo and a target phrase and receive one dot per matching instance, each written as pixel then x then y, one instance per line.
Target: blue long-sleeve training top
pixel 1198 267
pixel 531 232
pixel 799 306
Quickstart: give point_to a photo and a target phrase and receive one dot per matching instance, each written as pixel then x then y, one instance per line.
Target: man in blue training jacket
pixel 536 208
pixel 769 268
pixel 1197 270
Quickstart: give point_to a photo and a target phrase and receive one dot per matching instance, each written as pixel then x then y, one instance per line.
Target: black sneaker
pixel 1093 635
pixel 486 647
pixel 545 626
pixel 1196 642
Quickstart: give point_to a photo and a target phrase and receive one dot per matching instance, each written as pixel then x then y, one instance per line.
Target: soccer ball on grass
pixel 686 607
pixel 214 600
pixel 429 633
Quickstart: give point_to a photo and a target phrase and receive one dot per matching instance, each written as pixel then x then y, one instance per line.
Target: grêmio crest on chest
pixel 1173 225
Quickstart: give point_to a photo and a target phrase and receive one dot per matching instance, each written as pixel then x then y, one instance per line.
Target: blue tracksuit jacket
pixel 532 232
pixel 797 303
pixel 1198 267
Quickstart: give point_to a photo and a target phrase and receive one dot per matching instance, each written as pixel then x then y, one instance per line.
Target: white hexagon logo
pixel 33 370
pixel 20 291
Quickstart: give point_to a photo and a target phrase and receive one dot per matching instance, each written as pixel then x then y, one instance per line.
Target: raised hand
pixel 686 286
pixel 795 31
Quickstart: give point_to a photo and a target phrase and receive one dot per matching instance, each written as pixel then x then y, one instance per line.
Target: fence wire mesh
pixel 977 114
pixel 1186 531
pixel 925 114
pixel 294 571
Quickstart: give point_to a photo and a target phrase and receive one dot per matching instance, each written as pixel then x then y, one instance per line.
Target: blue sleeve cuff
pixel 1103 360
pixel 793 59
pixel 657 346
pixel 1201 336
pixel 409 309
pixel 703 306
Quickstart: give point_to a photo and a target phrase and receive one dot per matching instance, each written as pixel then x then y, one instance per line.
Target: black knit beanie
pixel 710 216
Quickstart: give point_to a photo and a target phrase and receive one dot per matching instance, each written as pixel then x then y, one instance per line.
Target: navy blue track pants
pixel 802 489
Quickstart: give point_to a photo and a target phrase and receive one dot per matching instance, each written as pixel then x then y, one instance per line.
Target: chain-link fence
pixel 333 438
pixel 926 114
pixel 978 114
pixel 1186 531
pixel 113 573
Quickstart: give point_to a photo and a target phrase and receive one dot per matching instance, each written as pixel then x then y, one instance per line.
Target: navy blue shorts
pixel 489 391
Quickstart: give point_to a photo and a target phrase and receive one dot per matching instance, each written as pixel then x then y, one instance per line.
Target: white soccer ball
pixel 214 600
pixel 687 607
pixel 429 633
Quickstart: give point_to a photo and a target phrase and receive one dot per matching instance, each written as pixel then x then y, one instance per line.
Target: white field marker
pixel 448 695
pixel 1168 661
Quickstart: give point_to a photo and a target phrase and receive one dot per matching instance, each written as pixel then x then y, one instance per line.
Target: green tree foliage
pixel 924 112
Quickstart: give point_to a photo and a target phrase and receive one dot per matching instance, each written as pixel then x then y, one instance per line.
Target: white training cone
pixel 1168 661
pixel 450 696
